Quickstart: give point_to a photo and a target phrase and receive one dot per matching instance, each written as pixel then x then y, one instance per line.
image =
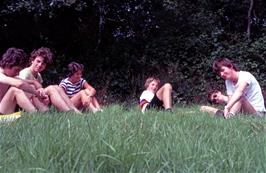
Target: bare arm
pixel 235 97
pixel 90 91
pixel 237 94
pixel 18 83
pixel 35 83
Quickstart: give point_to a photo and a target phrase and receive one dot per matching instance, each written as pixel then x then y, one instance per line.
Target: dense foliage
pixel 121 43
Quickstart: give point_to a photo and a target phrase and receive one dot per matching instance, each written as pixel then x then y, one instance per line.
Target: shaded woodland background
pixel 121 43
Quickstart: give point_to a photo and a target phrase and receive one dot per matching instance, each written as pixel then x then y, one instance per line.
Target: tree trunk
pixel 250 18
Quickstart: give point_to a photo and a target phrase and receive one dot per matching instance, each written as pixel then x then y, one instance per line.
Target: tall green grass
pixel 121 140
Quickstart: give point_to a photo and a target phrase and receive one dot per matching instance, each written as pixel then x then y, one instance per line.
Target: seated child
pixel 155 97
pixel 81 93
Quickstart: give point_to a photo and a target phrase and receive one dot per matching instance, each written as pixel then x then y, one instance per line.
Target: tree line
pixel 121 43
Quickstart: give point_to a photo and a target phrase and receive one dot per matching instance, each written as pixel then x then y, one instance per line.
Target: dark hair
pixel 218 63
pixel 150 79
pixel 73 67
pixel 14 57
pixel 43 52
pixel 209 96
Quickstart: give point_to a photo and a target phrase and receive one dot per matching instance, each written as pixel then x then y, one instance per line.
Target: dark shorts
pixel 155 103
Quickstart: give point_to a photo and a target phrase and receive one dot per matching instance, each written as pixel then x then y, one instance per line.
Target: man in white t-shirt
pixel 243 90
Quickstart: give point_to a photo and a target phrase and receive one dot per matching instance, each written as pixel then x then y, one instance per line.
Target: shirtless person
pixel 12 89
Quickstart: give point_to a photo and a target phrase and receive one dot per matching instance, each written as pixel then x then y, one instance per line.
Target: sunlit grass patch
pixel 125 140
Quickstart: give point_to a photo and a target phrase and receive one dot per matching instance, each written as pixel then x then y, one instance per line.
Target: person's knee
pixel 51 89
pixel 167 86
pixel 16 91
pixel 83 92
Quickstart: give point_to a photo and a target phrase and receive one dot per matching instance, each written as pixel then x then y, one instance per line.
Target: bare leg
pixel 81 100
pixel 13 97
pixel 66 98
pixel 40 105
pixel 247 107
pixel 56 99
pixel 244 106
pixel 236 108
pixel 95 103
pixel 164 94
pixel 209 109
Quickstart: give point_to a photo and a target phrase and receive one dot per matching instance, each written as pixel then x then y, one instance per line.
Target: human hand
pixel 88 92
pixel 46 101
pixel 226 112
pixel 41 94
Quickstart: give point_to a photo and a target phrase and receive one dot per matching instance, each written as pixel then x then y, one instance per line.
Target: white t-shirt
pixel 252 93
pixel 146 95
pixel 27 74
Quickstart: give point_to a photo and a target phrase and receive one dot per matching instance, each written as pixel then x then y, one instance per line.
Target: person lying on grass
pixel 215 97
pixel 12 89
pixel 243 90
pixel 80 92
pixel 39 59
pixel 155 97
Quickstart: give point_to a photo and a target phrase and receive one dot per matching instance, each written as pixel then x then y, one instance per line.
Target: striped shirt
pixel 70 88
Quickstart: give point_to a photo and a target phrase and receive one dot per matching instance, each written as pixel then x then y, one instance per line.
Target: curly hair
pixel 14 57
pixel 73 67
pixel 43 52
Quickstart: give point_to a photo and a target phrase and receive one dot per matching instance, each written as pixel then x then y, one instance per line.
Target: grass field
pixel 121 140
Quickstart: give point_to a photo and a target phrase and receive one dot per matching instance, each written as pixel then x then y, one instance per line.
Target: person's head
pixel 215 97
pixel 224 68
pixel 13 60
pixel 40 58
pixel 75 70
pixel 152 84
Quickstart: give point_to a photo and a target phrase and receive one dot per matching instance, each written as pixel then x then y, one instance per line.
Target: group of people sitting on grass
pixel 244 93
pixel 21 85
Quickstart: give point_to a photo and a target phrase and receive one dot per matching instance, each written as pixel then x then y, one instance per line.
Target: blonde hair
pixel 150 79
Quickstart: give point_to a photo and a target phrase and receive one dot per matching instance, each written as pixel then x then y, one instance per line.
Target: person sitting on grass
pixel 13 89
pixel 39 59
pixel 80 92
pixel 243 90
pixel 155 97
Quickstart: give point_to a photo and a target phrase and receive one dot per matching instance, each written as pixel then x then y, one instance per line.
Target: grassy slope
pixel 119 140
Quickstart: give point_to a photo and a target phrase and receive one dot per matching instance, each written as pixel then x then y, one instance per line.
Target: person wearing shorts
pixel 155 97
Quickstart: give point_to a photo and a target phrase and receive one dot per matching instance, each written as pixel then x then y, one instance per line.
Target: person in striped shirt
pixel 81 93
